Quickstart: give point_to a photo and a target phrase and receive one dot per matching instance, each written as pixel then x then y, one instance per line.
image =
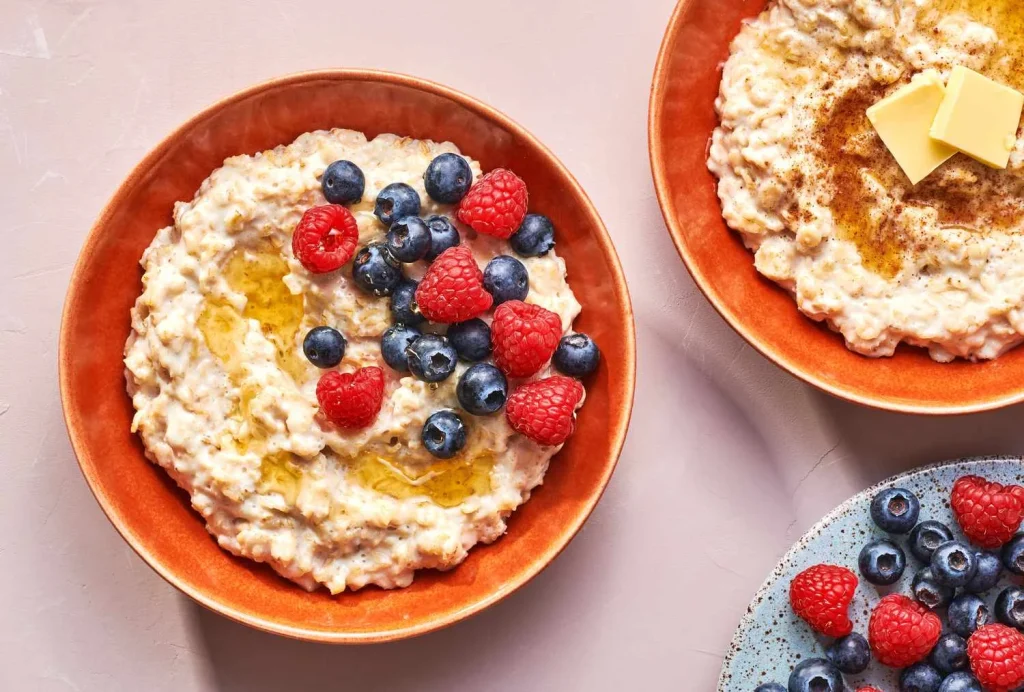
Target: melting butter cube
pixel 903 121
pixel 979 117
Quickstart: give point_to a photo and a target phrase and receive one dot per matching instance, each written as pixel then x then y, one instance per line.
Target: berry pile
pixel 946 634
pixel 447 316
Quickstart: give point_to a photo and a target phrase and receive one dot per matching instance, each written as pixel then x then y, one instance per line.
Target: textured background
pixel 728 460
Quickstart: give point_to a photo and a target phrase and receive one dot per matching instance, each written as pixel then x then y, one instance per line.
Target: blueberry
pixel 505 278
pixel 408 239
pixel 990 568
pixel 1010 607
pixel 882 562
pixel 482 389
pixel 895 510
pixel 471 339
pixel 343 183
pixel 394 345
pixel 432 358
pixel 967 613
pixel 375 270
pixel 396 201
pixel 920 677
pixel 577 355
pixel 954 563
pixel 949 654
pixel 851 654
pixel 770 687
pixel 815 675
pixel 403 304
pixel 448 178
pixel 443 235
pixel 960 682
pixel 926 537
pixel 535 237
pixel 444 434
pixel 324 346
pixel 928 591
pixel 1013 554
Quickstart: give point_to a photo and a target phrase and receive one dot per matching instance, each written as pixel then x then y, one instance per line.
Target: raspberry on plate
pixel 453 290
pixel 868 689
pixel 544 411
pixel 821 595
pixel 988 513
pixel 524 337
pixel 996 653
pixel 325 238
pixel 495 205
pixel 351 399
pixel 902 631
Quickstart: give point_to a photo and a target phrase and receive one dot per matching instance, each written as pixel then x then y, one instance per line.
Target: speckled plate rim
pixel 621 421
pixel 863 496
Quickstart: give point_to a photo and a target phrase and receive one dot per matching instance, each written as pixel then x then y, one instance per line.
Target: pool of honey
pixel 1007 18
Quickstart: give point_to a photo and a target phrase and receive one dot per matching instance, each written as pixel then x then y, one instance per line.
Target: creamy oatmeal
pixel 824 207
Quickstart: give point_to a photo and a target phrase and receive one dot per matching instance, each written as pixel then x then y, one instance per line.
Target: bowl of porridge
pixel 348 357
pixel 796 219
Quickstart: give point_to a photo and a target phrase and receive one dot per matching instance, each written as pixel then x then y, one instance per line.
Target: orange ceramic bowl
pixel 681 119
pixel 156 518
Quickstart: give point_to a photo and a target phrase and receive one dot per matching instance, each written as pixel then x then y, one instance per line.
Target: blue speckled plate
pixel 771 639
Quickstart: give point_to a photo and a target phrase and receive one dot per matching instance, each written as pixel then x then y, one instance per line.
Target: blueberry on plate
pixel 394 345
pixel 882 562
pixel 343 183
pixel 815 675
pixel 967 613
pixel 448 178
pixel 990 568
pixel 506 278
pixel 482 389
pixel 949 654
pixel 1013 554
pixel 920 677
pixel 576 356
pixel 961 681
pixel 443 235
pixel 1010 607
pixel 403 304
pixel 895 510
pixel 471 339
pixel 928 591
pixel 432 358
pixel 408 239
pixel 770 687
pixel 926 537
pixel 375 270
pixel 954 563
pixel 396 201
pixel 850 655
pixel 535 237
pixel 324 346
pixel 444 434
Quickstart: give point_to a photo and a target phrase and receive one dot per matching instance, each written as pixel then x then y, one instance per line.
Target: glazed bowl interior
pixel 145 505
pixel 681 120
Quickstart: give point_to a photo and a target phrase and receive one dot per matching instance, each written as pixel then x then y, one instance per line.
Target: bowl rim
pixel 656 153
pixel 73 425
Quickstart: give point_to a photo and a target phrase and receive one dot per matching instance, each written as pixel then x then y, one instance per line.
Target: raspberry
pixel 988 513
pixel 325 238
pixel 524 337
pixel 495 205
pixel 868 689
pixel 452 290
pixel 996 653
pixel 821 595
pixel 544 410
pixel 902 631
pixel 351 400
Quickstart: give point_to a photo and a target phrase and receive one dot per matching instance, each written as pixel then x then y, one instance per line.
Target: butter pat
pixel 979 117
pixel 903 121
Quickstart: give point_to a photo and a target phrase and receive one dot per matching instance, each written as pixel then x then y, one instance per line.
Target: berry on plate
pixel 524 337
pixel 990 568
pixel 996 653
pixel 901 631
pixel 343 183
pixel 926 537
pixel 447 178
pixel 324 347
pixel 394 345
pixel 1010 607
pixel 928 591
pixel 881 562
pixel 351 399
pixel 444 434
pixel 821 596
pixel 482 389
pixel 1013 554
pixel 376 271
pixel 961 681
pixel 954 563
pixel 325 238
pixel 472 339
pixel 920 677
pixel 535 237
pixel 443 235
pixel 949 654
pixel 403 304
pixel 868 689
pixel 408 239
pixel 495 205
pixel 452 290
pixel 396 201
pixel 576 356
pixel 544 411
pixel 850 654
pixel 967 613
pixel 816 675
pixel 432 358
pixel 988 513
pixel 505 278
pixel 895 510
pixel 770 687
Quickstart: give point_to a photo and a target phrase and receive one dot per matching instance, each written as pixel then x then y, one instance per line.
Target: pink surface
pixel 727 462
